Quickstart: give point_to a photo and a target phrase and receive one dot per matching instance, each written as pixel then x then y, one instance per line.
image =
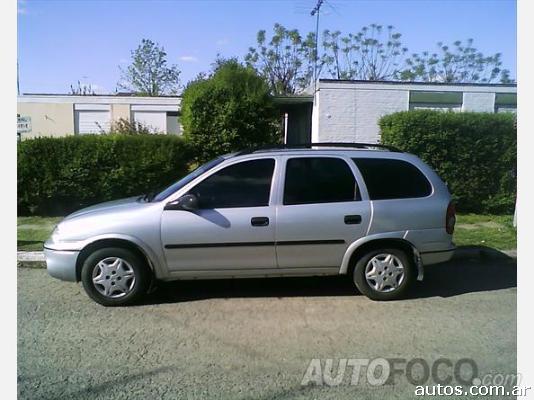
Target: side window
pixel 319 180
pixel 246 184
pixel 392 179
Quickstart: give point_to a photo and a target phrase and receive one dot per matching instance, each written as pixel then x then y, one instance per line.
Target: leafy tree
pixel 285 60
pixel 459 63
pixel 228 110
pixel 374 53
pixel 149 74
pixel 82 90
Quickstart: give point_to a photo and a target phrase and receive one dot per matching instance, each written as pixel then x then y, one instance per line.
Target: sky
pixel 62 42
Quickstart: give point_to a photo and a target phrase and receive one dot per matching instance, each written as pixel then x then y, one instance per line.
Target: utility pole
pixel 315 12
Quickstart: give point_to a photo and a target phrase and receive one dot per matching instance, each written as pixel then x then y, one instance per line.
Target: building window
pixel 506 102
pixel 173 123
pixel 430 100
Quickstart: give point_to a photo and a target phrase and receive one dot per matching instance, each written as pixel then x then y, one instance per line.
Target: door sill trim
pixel 250 273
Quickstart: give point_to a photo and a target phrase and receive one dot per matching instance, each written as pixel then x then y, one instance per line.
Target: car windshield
pixel 188 178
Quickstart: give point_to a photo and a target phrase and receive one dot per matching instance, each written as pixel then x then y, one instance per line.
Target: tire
pixel 384 273
pixel 115 276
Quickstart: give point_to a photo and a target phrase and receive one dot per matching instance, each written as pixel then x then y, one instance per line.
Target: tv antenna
pixel 315 12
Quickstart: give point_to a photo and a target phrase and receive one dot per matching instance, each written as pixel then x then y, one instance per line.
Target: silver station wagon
pixel 367 211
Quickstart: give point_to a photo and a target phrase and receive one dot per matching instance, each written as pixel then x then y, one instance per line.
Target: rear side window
pixel 246 184
pixel 318 180
pixel 392 179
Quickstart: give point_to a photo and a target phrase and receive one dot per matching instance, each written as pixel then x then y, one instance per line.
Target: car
pixel 368 211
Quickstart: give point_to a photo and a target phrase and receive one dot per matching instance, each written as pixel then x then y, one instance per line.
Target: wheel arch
pixel 358 248
pixel 112 242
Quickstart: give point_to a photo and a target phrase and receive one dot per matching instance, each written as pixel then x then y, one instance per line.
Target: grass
pixel 494 231
pixel 471 230
pixel 33 231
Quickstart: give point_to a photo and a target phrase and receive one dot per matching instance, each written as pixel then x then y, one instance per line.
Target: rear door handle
pixel 353 219
pixel 259 221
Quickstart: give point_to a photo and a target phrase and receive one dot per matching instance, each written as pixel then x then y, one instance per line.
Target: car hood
pixel 127 204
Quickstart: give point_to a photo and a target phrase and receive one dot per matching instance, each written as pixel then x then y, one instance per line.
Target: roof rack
pixel 324 144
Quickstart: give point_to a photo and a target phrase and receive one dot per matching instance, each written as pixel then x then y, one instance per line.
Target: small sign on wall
pixel 24 125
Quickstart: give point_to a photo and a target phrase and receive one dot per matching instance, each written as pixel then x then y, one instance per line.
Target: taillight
pixel 450 218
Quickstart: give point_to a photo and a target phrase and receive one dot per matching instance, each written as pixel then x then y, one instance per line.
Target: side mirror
pixel 188 202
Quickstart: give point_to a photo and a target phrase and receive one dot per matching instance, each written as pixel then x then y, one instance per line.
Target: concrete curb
pixel 36 259
pixel 31 259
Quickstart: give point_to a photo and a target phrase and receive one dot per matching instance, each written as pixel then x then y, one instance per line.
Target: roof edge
pixel 355 81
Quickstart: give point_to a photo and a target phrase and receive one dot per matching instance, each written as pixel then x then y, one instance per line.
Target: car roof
pixel 318 148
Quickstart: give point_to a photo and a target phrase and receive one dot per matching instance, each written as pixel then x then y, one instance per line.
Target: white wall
pixel 349 111
pixel 371 105
pixel 351 115
pixel 336 115
pixel 479 102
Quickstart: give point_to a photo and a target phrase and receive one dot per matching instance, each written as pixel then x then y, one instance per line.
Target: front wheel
pixel 384 274
pixel 115 276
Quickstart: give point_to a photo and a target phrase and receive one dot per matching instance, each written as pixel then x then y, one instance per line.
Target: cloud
pixel 222 42
pixel 188 59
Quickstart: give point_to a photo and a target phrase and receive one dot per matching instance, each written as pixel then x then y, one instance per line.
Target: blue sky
pixel 61 42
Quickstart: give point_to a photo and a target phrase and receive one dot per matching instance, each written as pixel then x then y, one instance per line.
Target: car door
pixel 320 212
pixel 233 227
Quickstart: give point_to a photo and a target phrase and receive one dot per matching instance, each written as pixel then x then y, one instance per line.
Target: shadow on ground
pixel 480 269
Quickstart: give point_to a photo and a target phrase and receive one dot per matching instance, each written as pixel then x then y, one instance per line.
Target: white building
pixel 340 111
pixel 63 114
pixel 349 111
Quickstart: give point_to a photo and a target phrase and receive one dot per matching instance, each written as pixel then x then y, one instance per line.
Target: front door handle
pixel 259 221
pixel 353 219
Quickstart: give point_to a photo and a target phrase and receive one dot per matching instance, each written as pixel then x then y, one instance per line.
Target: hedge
pixel 59 175
pixel 229 111
pixel 474 153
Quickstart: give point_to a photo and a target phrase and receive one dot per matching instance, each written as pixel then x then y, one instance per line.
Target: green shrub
pixel 126 127
pixel 228 111
pixel 474 153
pixel 59 175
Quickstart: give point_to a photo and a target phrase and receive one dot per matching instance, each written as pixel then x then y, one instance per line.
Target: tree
pixel 461 63
pixel 285 61
pixel 149 74
pixel 371 54
pixel 82 89
pixel 229 110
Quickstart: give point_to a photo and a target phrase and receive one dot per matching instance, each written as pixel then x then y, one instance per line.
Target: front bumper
pixel 61 264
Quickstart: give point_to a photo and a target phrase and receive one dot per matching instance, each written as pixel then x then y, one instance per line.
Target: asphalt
pixel 254 339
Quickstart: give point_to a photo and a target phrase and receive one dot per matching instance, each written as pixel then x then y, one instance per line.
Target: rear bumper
pixel 436 257
pixel 61 264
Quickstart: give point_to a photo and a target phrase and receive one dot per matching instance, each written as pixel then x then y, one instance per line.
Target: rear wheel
pixel 384 274
pixel 115 276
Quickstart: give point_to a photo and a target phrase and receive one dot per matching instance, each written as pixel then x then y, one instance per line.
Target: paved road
pixel 255 338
